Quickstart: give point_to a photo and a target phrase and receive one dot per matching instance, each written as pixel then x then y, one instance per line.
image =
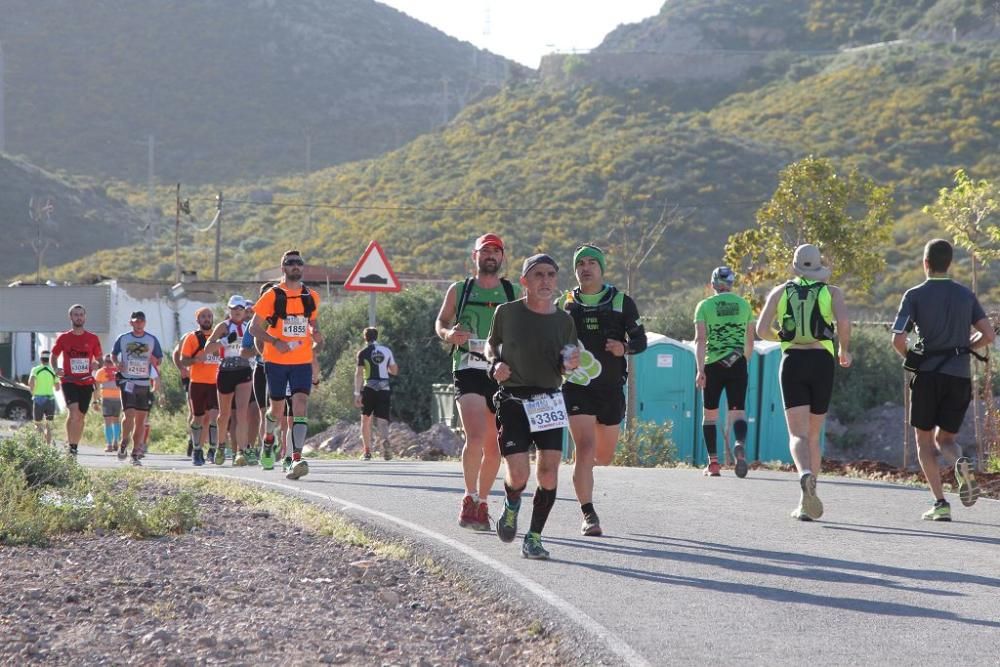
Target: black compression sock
pixel 740 430
pixel 709 431
pixel 544 500
pixel 513 495
pixel 587 508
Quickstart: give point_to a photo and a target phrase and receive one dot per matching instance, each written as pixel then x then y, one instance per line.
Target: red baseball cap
pixel 489 239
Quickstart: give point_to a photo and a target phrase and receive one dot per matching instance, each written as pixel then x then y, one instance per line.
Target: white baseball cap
pixel 237 301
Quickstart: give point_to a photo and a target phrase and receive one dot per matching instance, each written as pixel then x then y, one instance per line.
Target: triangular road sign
pixel 372 273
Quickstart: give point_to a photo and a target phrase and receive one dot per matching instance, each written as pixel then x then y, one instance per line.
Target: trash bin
pixel 443 409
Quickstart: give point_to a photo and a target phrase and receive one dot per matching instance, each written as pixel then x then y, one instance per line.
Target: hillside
pixel 230 90
pixel 549 167
pixel 83 220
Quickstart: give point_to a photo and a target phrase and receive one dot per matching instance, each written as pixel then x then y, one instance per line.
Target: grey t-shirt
pixel 942 312
pixel 531 344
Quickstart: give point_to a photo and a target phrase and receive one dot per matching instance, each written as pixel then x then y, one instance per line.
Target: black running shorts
pixel 807 379
pixel 475 382
pixel 939 400
pixel 81 394
pixel 513 432
pixel 607 403
pixel 732 380
pixel 204 398
pixel 140 398
pixel 229 380
pixel 374 401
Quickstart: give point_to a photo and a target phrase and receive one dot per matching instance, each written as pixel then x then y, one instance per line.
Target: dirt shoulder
pixel 248 588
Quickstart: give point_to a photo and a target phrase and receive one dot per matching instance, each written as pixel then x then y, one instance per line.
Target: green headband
pixel 589 251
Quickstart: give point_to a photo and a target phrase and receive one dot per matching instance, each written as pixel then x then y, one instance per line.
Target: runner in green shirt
pixel 724 336
pixel 43 383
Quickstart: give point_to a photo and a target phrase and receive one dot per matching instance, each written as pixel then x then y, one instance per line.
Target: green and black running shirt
pixel 725 316
pixel 477 316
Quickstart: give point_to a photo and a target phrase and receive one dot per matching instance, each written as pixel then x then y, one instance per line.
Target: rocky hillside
pixel 230 90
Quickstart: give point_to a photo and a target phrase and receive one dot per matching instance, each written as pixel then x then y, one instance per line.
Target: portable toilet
pixel 665 389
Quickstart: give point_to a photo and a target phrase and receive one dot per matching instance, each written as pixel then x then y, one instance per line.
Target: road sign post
pixel 372 274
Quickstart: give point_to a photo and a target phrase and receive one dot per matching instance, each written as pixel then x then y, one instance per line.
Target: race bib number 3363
pixel 546 413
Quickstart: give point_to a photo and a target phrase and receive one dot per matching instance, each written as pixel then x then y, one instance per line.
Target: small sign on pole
pixel 372 274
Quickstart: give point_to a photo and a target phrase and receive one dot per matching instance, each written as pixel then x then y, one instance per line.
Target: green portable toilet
pixel 664 375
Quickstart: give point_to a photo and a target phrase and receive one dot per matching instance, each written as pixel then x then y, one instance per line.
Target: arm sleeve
pixel 904 317
pixel 634 330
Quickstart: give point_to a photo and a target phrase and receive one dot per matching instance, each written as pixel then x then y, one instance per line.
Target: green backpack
pixel 803 322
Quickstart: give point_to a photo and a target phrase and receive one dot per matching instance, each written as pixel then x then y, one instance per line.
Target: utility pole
pixel 36 209
pixel 151 194
pixel 218 232
pixel 309 210
pixel 177 236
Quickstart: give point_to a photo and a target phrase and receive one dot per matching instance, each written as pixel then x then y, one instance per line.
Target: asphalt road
pixel 707 570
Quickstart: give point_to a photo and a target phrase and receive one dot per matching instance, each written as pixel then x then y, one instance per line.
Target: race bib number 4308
pixel 546 413
pixel 294 327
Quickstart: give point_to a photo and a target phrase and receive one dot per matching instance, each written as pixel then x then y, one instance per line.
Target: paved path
pixel 709 571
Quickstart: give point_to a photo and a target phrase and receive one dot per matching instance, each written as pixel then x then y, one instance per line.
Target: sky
pixel 525 30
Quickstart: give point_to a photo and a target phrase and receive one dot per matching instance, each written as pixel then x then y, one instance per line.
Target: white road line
pixel 613 642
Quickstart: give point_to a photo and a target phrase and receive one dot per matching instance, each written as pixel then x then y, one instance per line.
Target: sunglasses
pixel 293 262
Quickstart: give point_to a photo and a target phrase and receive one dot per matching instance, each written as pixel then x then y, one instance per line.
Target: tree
pixel 967 213
pixel 848 216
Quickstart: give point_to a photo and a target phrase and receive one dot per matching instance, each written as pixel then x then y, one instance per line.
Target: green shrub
pixel 649 445
pixel 675 317
pixel 40 464
pixel 175 514
pixel 21 522
pixel 874 378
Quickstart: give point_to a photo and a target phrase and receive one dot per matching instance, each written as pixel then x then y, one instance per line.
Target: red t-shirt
pixel 77 352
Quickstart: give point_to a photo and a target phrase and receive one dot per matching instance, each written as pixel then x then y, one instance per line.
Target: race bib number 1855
pixel 294 327
pixel 546 413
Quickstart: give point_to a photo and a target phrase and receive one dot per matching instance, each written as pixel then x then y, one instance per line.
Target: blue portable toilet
pixel 664 375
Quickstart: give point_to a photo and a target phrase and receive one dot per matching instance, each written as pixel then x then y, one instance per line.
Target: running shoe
pixel 482 516
pixel 267 458
pixel 968 490
pixel 123 450
pixel 386 450
pixel 251 455
pixel 136 461
pixel 286 465
pixel 190 449
pixel 299 469
pixel 532 547
pixel 740 452
pixel 467 517
pixel 367 456
pixel 507 524
pixel 941 511
pixel 240 461
pixel 199 457
pixel 810 502
pixel 713 470
pixel 72 450
pixel 591 526
pixel 220 456
pixel 110 448
pixel 210 457
pixel 800 514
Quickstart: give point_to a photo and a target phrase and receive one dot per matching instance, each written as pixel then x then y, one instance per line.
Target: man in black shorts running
pixel 724 336
pixel 531 344
pixel 805 310
pixel 942 312
pixel 372 392
pixel 607 322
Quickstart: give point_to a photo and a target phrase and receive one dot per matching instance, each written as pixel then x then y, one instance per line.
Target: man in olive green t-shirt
pixel 724 336
pixel 531 344
pixel 43 383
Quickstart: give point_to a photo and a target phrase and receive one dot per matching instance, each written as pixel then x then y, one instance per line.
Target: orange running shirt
pixel 294 329
pixel 106 378
pixel 206 369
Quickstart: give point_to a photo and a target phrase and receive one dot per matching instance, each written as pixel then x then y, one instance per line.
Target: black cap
pixel 535 260
pixel 137 315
